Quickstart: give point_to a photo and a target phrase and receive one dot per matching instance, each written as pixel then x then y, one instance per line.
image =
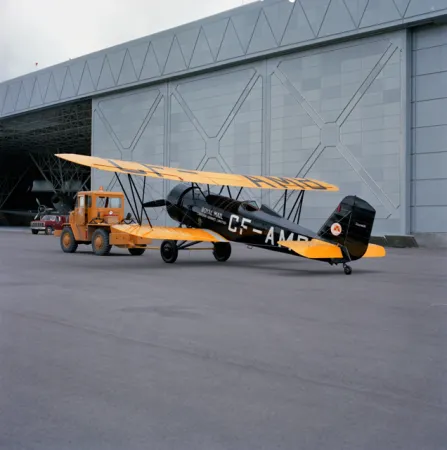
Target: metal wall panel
pixel 252 31
pixel 429 144
pixel 335 113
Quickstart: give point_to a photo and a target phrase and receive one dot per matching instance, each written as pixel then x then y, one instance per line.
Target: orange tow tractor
pixel 92 220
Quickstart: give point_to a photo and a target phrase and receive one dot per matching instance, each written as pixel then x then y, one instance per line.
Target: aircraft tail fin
pixel 350 225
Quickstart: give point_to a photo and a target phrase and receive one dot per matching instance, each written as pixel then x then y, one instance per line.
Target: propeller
pixel 41 209
pixel 155 203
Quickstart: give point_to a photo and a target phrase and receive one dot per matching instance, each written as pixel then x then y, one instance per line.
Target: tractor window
pixel 108 202
pixel 115 202
pixel 81 201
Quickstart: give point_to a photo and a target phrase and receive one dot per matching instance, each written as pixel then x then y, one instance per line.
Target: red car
pixel 48 223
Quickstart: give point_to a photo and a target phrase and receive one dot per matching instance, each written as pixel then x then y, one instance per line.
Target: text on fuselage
pixel 239 224
pixel 211 212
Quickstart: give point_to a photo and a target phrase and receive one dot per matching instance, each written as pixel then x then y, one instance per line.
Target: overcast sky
pixel 52 31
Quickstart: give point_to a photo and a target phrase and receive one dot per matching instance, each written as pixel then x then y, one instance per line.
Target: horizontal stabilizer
pixel 170 233
pixel 374 251
pixel 314 249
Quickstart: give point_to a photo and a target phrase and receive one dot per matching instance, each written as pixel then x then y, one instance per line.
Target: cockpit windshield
pixel 250 205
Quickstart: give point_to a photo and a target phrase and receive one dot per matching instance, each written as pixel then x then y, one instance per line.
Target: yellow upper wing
pixel 197 176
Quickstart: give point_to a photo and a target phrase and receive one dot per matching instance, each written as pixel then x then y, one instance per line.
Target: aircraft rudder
pixel 350 225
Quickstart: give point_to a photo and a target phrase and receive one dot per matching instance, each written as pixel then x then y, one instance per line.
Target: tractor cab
pixel 99 207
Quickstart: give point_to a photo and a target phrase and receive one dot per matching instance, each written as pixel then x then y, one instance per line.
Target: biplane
pixel 205 216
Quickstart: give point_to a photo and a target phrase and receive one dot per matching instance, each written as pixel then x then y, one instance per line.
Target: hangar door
pixel 429 143
pixel 334 113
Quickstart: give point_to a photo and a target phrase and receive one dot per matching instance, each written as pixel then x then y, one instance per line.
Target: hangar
pixel 348 91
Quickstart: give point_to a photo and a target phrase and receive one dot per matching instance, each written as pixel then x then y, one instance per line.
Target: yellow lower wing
pixel 170 233
pixel 313 249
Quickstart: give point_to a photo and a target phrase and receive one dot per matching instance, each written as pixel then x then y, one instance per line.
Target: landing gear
pixel 169 251
pixel 100 242
pixel 347 269
pixel 222 251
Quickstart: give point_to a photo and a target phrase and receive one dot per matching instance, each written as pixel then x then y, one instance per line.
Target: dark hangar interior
pixel 29 172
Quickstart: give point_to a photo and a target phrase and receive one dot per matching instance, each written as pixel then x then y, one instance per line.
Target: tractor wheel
pixel 68 242
pixel 136 251
pixel 222 251
pixel 169 251
pixel 100 242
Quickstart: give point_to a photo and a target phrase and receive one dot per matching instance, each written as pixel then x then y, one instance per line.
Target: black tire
pixel 347 269
pixel 136 251
pixel 101 242
pixel 48 230
pixel 34 231
pixel 222 251
pixel 169 251
pixel 68 242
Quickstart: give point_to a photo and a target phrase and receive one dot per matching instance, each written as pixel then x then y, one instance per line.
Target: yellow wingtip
pixel 375 251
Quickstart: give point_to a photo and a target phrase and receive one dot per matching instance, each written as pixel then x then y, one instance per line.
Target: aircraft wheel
pixel 169 251
pixel 347 269
pixel 222 251
pixel 136 251
pixel 68 242
pixel 100 242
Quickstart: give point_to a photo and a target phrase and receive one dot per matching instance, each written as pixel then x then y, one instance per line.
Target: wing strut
pixel 297 206
pixel 285 204
pixel 198 187
pixel 132 187
pixel 125 193
pixel 134 205
pixel 142 201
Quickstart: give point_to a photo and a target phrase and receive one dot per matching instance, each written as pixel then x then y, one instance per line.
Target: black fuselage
pixel 237 221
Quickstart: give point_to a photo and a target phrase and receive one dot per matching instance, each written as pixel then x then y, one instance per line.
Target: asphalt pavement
pixel 265 351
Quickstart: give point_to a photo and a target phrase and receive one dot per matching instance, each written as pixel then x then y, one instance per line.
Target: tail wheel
pixel 169 251
pixel 347 269
pixel 100 242
pixel 222 251
pixel 68 242
pixel 136 251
